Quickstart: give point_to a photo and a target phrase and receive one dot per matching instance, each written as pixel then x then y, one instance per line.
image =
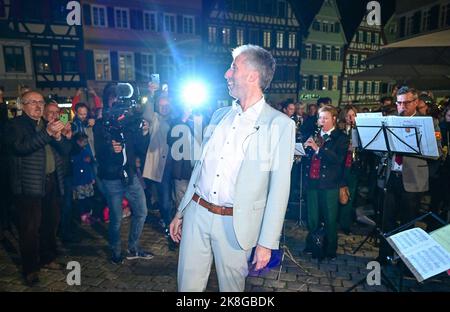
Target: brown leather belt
pixel 220 210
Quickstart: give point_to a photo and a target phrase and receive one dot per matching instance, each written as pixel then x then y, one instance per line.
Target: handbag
pixel 344 195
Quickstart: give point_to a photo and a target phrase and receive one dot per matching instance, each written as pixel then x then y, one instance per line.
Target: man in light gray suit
pixel 239 189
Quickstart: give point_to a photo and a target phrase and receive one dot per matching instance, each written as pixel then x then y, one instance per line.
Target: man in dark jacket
pixel 36 167
pixel 116 147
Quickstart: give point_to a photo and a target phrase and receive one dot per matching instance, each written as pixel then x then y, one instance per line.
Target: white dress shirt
pixel 225 153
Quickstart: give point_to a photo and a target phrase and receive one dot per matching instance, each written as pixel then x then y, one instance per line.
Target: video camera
pixel 125 114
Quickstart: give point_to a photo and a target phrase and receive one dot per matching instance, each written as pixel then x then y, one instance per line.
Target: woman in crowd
pixel 327 150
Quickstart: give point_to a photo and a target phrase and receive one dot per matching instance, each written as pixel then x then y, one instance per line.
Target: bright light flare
pixel 194 94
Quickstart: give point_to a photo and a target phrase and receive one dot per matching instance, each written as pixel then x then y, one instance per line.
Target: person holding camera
pixel 117 144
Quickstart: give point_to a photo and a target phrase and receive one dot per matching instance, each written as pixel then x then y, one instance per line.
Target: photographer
pixel 117 142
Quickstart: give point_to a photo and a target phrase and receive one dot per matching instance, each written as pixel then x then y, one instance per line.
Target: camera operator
pixel 117 145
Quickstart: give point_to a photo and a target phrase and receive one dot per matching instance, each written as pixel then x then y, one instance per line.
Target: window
pixel 377 88
pixel 337 53
pixel 316 83
pixel 188 24
pixel 42 60
pixel 369 37
pixel 325 82
pixel 147 65
pixel 292 40
pixel 328 53
pixel 360 36
pixel 126 66
pixel 325 26
pixel 377 38
pixel 363 58
pixel 281 8
pixel 188 65
pixel 2 9
pixel 254 36
pixel 226 36
pixel 360 87
pixel 212 34
pixel 239 37
pixel 150 21
pixel 69 61
pixel 351 87
pixel 367 87
pixel 445 18
pixel 169 22
pixel 102 65
pixel 168 69
pixel 316 25
pixel 267 38
pixel 350 60
pixel 14 59
pixel 291 74
pixel 122 18
pixel 335 83
pixel 331 25
pixel 280 40
pixel 305 82
pixel 426 20
pixel 318 52
pixel 308 50
pixel 99 16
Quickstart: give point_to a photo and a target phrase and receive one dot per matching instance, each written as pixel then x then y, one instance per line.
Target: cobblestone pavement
pixel 159 273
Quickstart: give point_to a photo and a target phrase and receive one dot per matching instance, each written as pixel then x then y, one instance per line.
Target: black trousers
pixel 398 206
pixel 38 219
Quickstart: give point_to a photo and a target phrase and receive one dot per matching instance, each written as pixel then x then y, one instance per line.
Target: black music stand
pixel 386 131
pixel 384 236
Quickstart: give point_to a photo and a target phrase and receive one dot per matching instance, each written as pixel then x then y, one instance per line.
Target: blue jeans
pixel 115 190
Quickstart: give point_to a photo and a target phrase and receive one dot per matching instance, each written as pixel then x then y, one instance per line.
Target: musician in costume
pixel 327 150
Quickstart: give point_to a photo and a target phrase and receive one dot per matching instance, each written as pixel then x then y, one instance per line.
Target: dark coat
pixel 27 156
pixel 110 164
pixel 332 157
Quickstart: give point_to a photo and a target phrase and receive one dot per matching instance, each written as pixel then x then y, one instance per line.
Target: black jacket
pixel 332 157
pixel 26 145
pixel 110 164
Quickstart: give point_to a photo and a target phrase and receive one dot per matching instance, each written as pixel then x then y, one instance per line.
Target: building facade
pixel 322 56
pixel 366 41
pixel 38 48
pixel 418 17
pixel 267 23
pixel 129 41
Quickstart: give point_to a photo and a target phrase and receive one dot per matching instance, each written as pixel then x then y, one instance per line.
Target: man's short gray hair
pixel 260 60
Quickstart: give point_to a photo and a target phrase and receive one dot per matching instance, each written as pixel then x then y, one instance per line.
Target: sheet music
pixel 369 129
pixel 423 255
pixel 424 126
pixel 442 236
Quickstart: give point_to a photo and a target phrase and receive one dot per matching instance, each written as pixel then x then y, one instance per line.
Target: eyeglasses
pixel 405 102
pixel 34 102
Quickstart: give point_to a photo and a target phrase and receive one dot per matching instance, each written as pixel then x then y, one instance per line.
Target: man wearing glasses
pixel 407 178
pixel 36 147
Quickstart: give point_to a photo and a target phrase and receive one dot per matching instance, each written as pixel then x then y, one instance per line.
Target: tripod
pixel 287 253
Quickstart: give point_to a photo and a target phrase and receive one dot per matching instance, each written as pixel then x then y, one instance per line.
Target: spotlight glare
pixel 194 94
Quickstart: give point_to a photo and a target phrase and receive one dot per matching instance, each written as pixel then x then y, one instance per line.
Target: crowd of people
pixel 57 175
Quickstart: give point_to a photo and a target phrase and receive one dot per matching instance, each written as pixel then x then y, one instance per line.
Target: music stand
pixel 387 131
pixel 384 236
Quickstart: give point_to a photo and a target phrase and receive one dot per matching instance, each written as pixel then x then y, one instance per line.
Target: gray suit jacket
pixel 263 182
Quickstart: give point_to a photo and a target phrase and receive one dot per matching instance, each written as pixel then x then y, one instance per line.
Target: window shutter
pixel 114 66
pixel 87 14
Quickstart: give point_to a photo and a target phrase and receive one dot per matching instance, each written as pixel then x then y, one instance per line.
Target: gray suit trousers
pixel 206 235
